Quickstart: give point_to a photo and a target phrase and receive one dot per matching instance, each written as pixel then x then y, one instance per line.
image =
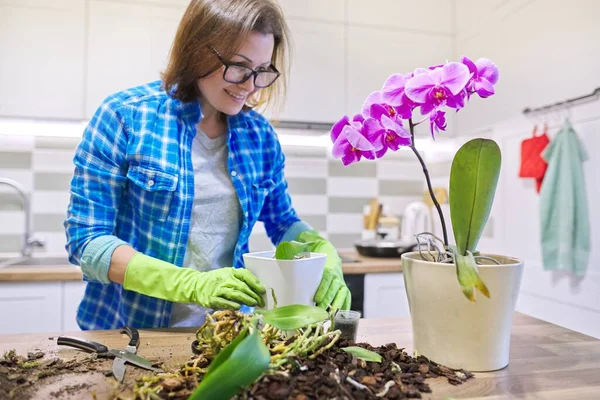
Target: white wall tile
pixel 352 187
pixel 399 170
pixel 53 161
pixel 310 204
pixel 12 222
pixel 50 202
pixel 344 223
pixel 55 243
pixel 16 143
pixel 396 205
pixel 305 167
pixel 22 176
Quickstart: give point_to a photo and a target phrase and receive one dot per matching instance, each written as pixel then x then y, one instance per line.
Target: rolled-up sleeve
pixel 98 181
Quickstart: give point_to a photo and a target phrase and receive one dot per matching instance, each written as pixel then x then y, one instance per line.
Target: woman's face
pixel 229 98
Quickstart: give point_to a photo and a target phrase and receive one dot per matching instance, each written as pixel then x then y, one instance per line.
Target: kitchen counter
pixel 547 361
pixel 353 263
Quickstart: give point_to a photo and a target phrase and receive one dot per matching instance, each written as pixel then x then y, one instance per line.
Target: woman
pixel 176 173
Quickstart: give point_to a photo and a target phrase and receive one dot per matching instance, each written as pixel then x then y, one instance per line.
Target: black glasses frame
pixel 252 72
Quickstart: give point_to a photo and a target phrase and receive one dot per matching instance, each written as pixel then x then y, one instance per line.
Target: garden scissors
pixel 120 356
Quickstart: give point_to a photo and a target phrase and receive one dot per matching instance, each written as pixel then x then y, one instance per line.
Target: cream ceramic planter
pixel 451 330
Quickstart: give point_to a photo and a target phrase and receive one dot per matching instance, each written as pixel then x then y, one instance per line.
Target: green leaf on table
pixel 238 365
pixel 294 316
pixel 473 180
pixel 362 353
pixel 290 250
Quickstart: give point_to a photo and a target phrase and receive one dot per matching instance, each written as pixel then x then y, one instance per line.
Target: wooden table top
pixel 546 361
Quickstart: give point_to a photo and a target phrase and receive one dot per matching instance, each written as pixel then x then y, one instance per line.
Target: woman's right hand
pixel 224 288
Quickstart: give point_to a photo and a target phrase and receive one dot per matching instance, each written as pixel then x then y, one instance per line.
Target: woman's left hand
pixel 332 290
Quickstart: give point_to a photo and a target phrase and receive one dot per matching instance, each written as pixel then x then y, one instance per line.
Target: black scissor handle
pixel 133 334
pixel 82 344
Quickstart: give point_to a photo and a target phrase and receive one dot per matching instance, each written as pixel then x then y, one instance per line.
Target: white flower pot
pixel 294 281
pixel 451 330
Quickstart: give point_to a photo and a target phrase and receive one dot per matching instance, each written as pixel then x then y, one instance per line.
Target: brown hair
pixel 224 24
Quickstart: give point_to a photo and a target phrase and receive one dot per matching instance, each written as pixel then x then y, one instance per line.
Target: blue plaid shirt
pixel 134 179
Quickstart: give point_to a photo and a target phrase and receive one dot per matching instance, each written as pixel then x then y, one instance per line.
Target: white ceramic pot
pixel 451 330
pixel 294 281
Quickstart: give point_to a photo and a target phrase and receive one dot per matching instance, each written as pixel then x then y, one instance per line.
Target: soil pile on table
pixel 335 374
pixel 339 375
pixel 19 374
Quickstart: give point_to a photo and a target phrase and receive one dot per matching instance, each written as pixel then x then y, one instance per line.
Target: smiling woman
pixel 171 177
pixel 209 42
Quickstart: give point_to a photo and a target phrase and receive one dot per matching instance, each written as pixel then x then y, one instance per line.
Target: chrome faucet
pixel 29 241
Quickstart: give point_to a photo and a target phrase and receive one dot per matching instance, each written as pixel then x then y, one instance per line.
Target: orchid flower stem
pixel 428 179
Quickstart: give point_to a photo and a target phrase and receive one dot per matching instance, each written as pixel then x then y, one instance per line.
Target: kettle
pixel 415 219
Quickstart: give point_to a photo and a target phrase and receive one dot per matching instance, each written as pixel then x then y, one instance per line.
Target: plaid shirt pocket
pixel 151 192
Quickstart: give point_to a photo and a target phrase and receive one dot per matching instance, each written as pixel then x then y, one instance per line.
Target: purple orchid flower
pixel 435 88
pixel 393 135
pixel 355 139
pixel 437 122
pixel 393 93
pixel 484 76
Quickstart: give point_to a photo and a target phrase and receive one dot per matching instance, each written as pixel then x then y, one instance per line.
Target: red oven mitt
pixel 532 163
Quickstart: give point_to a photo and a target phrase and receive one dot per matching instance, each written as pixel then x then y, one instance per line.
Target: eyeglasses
pixel 237 73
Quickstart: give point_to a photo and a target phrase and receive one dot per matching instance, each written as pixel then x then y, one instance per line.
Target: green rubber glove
pixel 332 290
pixel 217 289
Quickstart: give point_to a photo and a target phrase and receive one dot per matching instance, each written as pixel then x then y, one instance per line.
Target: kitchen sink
pixel 34 261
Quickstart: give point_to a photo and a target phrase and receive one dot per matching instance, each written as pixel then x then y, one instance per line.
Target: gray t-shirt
pixel 216 219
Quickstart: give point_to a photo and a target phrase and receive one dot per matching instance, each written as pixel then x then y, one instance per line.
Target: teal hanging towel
pixel 564 218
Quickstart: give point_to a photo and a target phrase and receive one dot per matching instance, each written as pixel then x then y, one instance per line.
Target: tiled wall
pixel 325 193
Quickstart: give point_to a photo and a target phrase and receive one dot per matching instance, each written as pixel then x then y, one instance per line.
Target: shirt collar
pixel 192 113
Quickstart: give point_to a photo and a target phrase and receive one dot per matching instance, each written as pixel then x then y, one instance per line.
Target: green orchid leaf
pixel 238 365
pixel 468 276
pixel 362 353
pixel 294 316
pixel 289 250
pixel 473 180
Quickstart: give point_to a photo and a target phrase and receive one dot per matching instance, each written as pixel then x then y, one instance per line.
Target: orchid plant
pixel 386 122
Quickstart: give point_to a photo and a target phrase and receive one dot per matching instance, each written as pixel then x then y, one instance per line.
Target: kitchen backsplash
pixel 326 194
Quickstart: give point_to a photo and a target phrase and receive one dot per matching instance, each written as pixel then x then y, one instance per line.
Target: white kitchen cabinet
pixel 27 307
pixel 316 82
pixel 42 58
pixel 72 295
pixel 375 53
pixel 330 10
pixel 427 16
pixel 385 296
pixel 128 45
